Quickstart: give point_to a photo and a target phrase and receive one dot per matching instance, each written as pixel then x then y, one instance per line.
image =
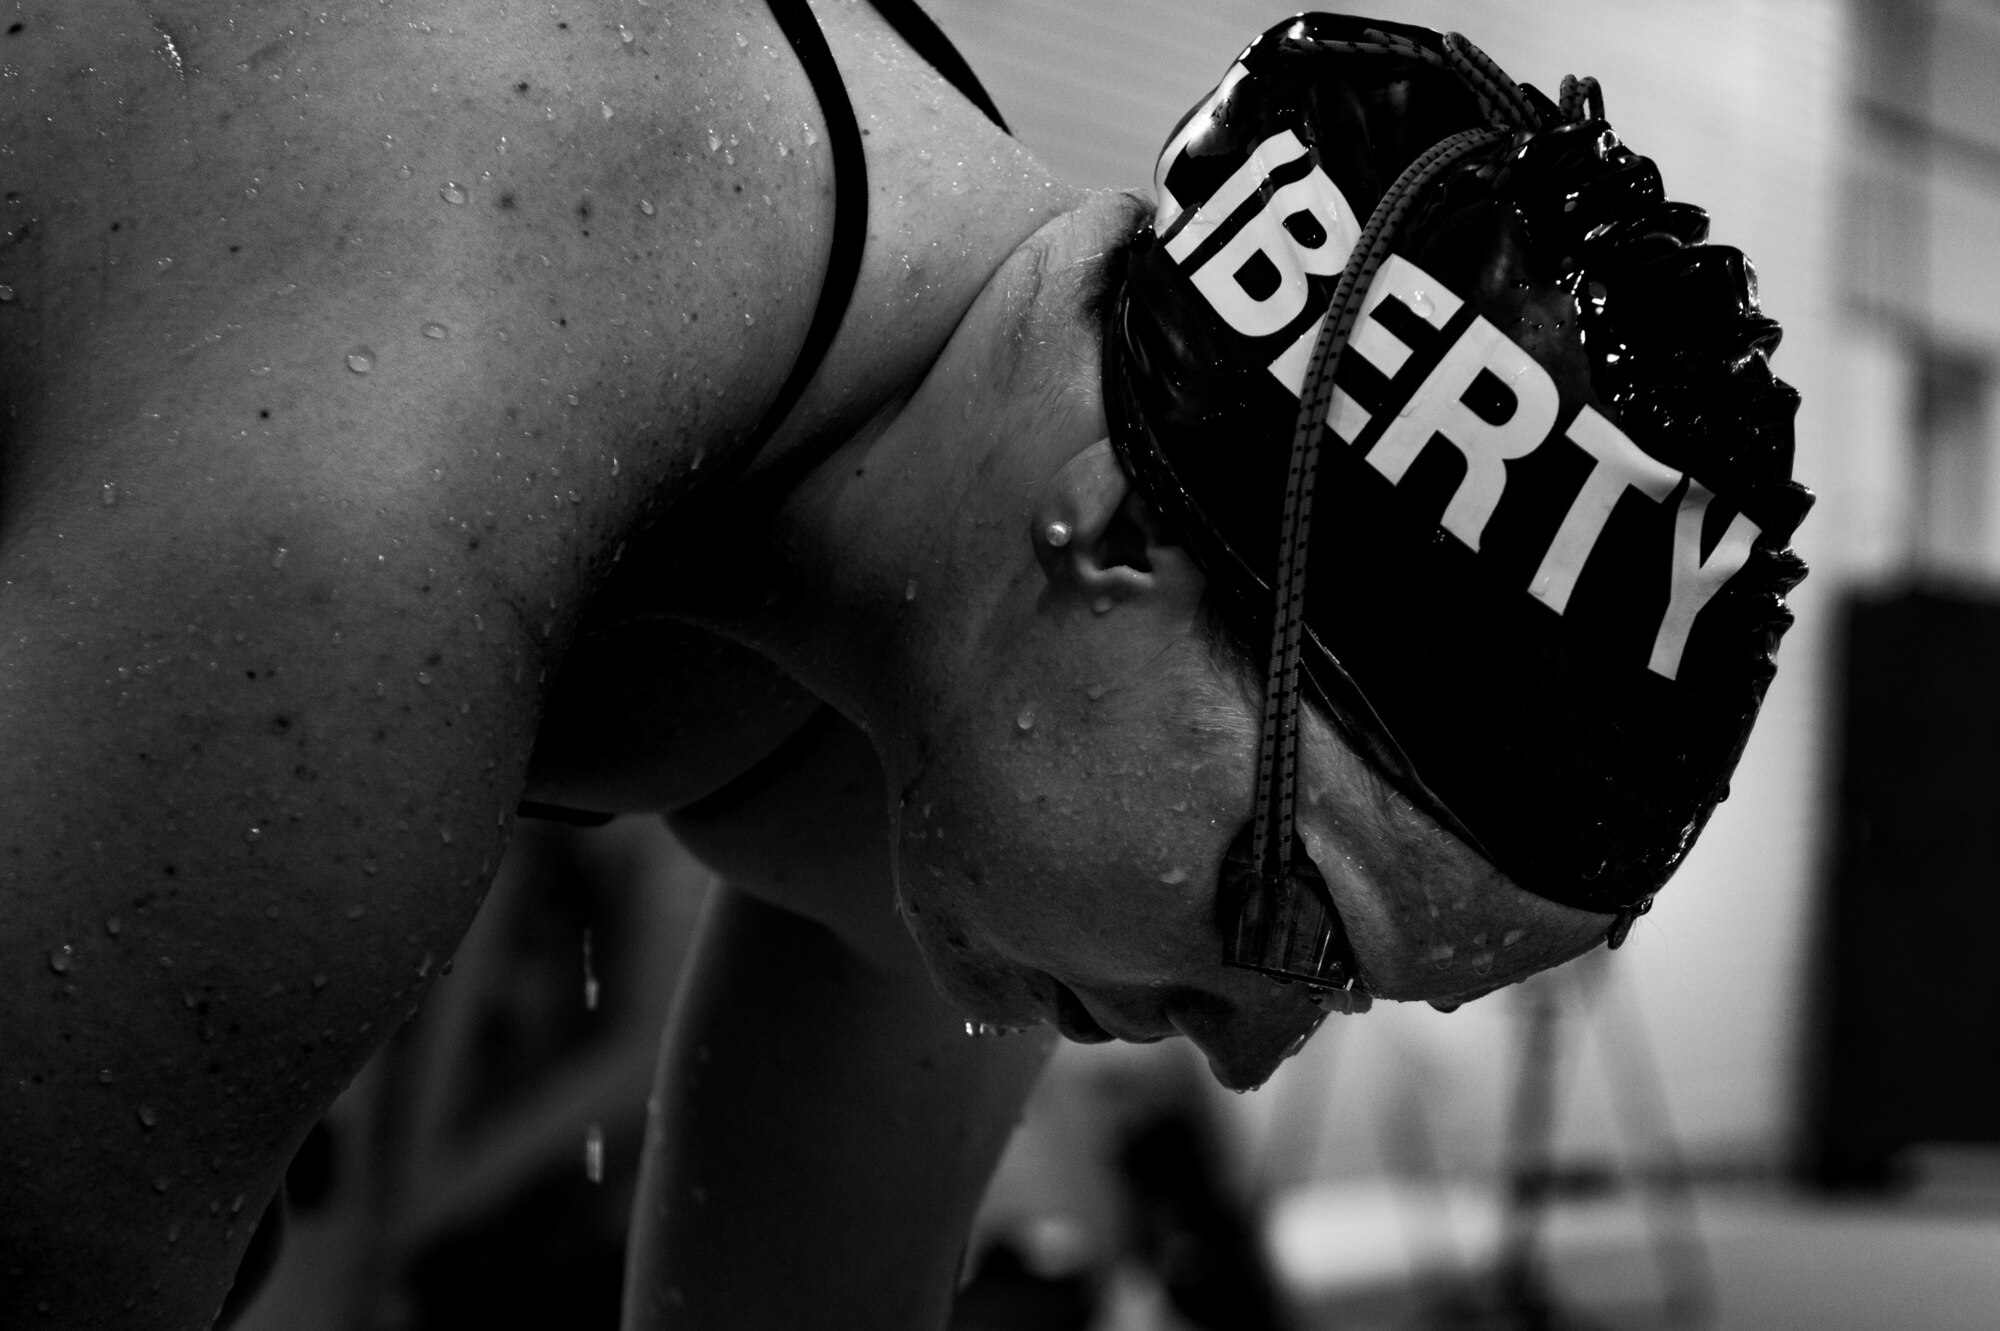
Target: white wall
pixel 1743 103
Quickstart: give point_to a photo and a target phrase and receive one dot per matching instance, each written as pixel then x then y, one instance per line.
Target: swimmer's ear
pixel 1096 536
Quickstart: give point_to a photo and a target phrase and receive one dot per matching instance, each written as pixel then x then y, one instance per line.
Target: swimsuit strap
pixel 850 212
pixel 924 36
pixel 850 175
pixel 850 222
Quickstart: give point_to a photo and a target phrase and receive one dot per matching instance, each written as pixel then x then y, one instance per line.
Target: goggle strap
pixel 1274 815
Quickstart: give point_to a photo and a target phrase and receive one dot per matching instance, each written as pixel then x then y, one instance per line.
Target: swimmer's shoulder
pixel 538 223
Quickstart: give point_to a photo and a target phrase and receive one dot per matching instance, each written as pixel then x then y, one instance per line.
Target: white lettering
pixel 1245 181
pixel 1619 465
pixel 1266 233
pixel 1197 121
pixel 1438 408
pixel 1419 292
pixel 1695 582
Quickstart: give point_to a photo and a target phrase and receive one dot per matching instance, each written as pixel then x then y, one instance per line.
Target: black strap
pixel 850 219
pixel 924 36
pixel 850 212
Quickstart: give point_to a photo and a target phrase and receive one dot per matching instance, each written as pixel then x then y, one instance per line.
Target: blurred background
pixel 1778 1106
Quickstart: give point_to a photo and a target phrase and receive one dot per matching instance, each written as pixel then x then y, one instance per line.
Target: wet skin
pixel 270 707
pixel 1066 762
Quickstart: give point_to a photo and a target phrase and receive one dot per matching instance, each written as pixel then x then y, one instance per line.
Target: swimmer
pixel 411 413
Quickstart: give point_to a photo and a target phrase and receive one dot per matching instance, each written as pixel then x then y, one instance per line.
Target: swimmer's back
pixel 340 351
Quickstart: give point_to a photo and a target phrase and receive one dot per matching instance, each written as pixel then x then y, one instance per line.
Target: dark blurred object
pixel 1907 1045
pixel 1007 1293
pixel 1190 1229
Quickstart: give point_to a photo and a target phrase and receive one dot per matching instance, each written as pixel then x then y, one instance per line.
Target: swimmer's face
pixel 1070 760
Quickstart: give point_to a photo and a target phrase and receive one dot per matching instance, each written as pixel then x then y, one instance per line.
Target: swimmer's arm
pixel 824 1132
pixel 305 470
pixel 825 1129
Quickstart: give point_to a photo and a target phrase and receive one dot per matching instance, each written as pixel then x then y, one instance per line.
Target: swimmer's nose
pixel 1245 1042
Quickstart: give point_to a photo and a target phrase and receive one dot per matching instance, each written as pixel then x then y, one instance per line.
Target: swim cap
pixel 1461 415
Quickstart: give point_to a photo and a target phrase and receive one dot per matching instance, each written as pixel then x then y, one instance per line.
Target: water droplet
pixel 319 982
pixel 593 1153
pixel 1094 692
pixel 605 107
pixel 260 371
pixel 110 494
pixel 424 966
pixel 1512 936
pixel 1440 955
pixel 1174 875
pixel 571 398
pixel 436 332
pixel 714 141
pixel 406 171
pixel 361 360
pixel 741 40
pixel 105 1077
pixel 59 960
pixel 6 293
pixel 161 1184
pixel 164 264
pixel 749 319
pixel 1482 963
pixel 1421 305
pixel 1026 720
pixel 173 1230
pixel 1102 605
pixel 356 912
pixel 646 207
pixel 368 867
pixel 452 192
pixel 614 466
pixel 910 590
pixel 278 557
pixel 114 926
pixel 148 1116
pixel 625 35
pixel 589 976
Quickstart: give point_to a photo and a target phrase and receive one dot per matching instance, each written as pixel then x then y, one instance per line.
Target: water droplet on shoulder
pixel 436 332
pixel 61 959
pixel 6 294
pixel 361 360
pixel 452 192
pixel 110 494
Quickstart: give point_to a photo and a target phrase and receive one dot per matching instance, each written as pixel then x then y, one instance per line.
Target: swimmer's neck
pixel 912 547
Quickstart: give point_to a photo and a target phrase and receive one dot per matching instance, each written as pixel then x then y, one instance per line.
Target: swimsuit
pixel 850 219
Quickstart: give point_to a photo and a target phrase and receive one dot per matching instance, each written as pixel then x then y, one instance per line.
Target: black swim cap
pixel 1541 542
